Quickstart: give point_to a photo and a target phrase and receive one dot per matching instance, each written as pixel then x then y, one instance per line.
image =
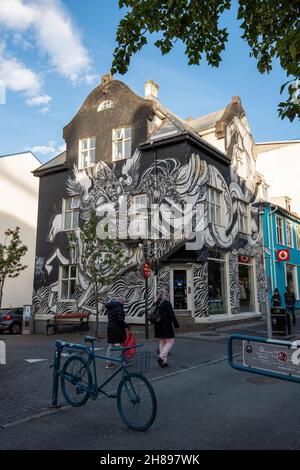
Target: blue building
pixel 282 232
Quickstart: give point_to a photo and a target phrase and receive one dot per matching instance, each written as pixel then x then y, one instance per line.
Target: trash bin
pixel 281 324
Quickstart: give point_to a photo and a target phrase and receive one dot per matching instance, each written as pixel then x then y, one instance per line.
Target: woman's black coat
pixel 164 328
pixel 116 326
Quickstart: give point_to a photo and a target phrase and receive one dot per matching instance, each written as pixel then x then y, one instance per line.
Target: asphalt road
pixel 202 404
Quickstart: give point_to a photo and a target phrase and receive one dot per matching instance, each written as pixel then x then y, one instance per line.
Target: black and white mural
pixel 174 184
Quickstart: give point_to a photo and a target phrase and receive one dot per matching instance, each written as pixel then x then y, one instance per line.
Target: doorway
pixel 246 281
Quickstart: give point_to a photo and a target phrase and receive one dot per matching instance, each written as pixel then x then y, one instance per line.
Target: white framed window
pixel 289 234
pixel 214 206
pixel 279 230
pixel 121 143
pixel 243 217
pixel 71 213
pixel 107 104
pixel 68 277
pixel 87 152
pixel 139 219
pixel 298 236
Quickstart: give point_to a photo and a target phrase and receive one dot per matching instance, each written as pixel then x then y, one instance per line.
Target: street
pixel 202 402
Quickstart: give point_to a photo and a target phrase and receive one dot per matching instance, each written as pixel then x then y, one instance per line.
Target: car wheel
pixel 15 329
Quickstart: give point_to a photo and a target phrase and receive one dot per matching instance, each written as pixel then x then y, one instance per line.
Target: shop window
pixel 180 289
pixel 291 278
pixel 217 292
pixel 246 281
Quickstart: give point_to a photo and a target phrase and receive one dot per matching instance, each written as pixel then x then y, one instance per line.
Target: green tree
pixel 99 260
pixel 271 28
pixel 11 252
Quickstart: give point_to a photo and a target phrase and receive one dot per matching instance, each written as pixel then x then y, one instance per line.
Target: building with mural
pixel 187 188
pixel 282 247
pixel 18 208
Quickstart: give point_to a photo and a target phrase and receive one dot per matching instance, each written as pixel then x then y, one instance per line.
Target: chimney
pixel 106 78
pixel 151 90
pixel 236 99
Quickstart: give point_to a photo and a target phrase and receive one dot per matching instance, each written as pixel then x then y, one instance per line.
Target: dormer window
pixel 87 151
pixel 121 143
pixel 105 105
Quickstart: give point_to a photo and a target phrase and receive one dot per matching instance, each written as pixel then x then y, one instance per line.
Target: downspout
pixel 272 269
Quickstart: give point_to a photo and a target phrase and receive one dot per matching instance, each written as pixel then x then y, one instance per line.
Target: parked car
pixel 11 319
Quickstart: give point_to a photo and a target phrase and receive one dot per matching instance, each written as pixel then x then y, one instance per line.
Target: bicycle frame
pixel 95 389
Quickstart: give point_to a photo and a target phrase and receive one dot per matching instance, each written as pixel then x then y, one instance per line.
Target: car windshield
pixel 4 311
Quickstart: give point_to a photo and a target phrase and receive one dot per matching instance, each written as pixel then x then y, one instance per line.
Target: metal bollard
pixel 56 374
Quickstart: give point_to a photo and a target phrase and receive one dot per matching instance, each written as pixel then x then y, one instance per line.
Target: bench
pixel 79 321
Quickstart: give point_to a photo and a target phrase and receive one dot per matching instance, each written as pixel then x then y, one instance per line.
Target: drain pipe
pixel 272 268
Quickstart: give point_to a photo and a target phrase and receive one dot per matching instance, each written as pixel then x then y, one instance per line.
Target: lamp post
pixel 146 273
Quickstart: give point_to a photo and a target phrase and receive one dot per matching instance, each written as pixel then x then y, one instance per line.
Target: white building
pixel 279 162
pixel 18 207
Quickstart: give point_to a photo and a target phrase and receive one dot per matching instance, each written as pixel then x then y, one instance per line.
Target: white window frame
pixel 122 139
pixel 281 228
pixel 68 279
pixel 89 148
pixel 298 237
pixel 139 216
pixel 244 217
pixel 212 205
pixel 289 234
pixel 107 104
pixel 72 210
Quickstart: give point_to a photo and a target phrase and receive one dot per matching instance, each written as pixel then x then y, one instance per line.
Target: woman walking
pixel 117 328
pixel 164 328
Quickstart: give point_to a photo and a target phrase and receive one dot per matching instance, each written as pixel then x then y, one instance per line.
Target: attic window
pixel 105 105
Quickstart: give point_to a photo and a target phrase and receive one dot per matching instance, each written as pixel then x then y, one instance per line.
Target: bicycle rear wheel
pixel 136 402
pixel 76 381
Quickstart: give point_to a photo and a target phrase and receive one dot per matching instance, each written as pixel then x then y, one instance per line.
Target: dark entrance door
pixel 180 289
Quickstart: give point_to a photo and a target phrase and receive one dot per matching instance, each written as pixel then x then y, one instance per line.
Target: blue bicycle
pixel 135 396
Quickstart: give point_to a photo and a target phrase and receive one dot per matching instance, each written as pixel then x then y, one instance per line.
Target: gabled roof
pixel 173 126
pixel 58 162
pixel 20 154
pixel 206 122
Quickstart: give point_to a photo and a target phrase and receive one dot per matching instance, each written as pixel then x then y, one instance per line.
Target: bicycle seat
pixel 91 339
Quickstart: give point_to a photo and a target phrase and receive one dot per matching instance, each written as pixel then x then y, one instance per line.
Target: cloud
pixel 54 34
pixel 18 77
pixel 48 150
pixel 39 100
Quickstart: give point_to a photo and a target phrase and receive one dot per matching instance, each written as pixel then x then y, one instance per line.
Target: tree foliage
pixel 271 28
pixel 100 260
pixel 11 252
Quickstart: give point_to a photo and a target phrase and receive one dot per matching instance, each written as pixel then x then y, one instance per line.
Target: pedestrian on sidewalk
pixel 117 328
pixel 164 328
pixel 276 298
pixel 290 301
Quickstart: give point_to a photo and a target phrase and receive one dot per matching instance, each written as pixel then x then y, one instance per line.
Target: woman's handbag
pixel 154 314
pixel 130 341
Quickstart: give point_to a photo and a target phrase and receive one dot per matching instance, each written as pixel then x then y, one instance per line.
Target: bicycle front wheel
pixel 136 402
pixel 76 381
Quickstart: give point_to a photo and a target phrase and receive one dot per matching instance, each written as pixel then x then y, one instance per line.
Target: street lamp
pixel 146 273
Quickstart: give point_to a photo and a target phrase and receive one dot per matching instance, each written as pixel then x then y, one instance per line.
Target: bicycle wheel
pixel 76 380
pixel 136 402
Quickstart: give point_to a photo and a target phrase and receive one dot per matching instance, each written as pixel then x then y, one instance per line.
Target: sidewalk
pixel 26 386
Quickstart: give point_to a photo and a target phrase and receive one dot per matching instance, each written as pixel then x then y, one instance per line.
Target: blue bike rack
pixel 59 346
pixel 254 370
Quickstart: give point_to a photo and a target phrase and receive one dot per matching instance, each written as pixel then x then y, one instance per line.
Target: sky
pixel 54 52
